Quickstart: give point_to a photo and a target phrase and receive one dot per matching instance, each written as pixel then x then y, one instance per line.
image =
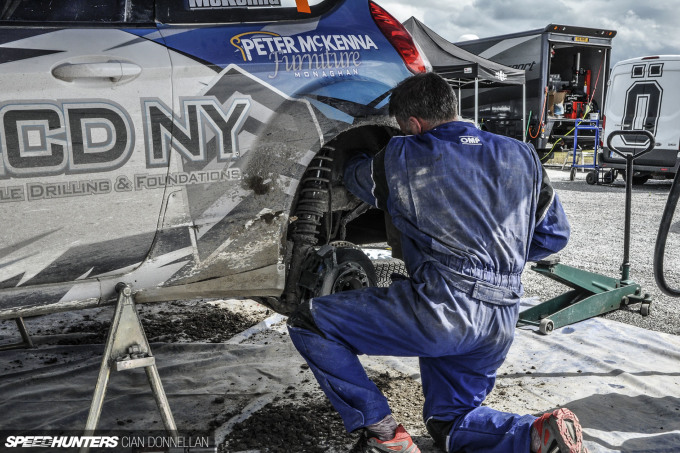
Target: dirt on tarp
pixel 300 419
pixel 306 422
pixel 282 427
pixel 171 322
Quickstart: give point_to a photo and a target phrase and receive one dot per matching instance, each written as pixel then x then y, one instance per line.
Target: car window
pixel 102 11
pixel 217 11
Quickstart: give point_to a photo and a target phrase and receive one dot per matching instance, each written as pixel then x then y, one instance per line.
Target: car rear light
pixel 651 58
pixel 399 37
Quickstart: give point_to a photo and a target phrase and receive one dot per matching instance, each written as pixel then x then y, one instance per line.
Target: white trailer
pixel 644 94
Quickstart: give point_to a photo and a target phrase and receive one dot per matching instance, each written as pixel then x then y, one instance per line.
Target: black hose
pixel 660 247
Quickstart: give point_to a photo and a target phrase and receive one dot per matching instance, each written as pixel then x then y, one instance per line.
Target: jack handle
pixel 634 155
pixel 629 157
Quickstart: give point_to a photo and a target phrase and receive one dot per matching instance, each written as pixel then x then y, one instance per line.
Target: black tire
pixel 572 173
pixel 385 268
pixel 640 180
pixel 591 178
pixel 610 176
pixel 353 271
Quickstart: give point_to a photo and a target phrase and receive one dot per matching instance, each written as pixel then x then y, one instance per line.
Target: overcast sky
pixel 644 27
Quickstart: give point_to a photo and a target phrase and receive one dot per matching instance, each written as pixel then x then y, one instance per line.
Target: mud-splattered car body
pixel 162 144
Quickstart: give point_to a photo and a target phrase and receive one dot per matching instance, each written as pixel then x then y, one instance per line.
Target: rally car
pixel 188 148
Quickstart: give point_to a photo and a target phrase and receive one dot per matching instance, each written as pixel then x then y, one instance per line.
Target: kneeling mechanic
pixel 472 208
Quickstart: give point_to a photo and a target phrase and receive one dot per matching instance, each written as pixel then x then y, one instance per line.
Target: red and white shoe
pixel 557 432
pixel 401 442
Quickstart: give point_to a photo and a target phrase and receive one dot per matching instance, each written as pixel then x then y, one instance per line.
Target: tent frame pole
pixel 477 101
pixel 524 111
pixel 460 105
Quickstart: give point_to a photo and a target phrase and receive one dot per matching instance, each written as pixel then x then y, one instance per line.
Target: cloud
pixel 643 28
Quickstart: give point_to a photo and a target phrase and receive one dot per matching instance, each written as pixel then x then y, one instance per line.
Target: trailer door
pixel 641 97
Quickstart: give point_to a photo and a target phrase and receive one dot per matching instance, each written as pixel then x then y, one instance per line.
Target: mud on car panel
pixel 163 143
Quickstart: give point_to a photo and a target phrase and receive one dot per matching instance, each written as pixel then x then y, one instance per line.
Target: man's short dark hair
pixel 426 96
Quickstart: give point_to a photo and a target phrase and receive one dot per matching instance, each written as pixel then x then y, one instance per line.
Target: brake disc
pixel 322 274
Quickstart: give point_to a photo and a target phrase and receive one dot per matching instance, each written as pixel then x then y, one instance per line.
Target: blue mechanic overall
pixel 472 208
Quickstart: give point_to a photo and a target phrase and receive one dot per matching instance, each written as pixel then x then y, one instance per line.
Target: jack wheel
pixel 591 178
pixel 645 309
pixel 546 327
pixel 572 174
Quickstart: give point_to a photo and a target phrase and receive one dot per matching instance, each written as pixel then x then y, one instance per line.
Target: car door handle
pixel 113 71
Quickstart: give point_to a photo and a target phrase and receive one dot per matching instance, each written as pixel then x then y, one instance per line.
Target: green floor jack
pixel 592 294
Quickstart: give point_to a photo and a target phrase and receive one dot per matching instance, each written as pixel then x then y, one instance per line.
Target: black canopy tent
pixel 462 68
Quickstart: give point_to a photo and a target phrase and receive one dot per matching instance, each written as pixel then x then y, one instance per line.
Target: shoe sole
pixel 563 422
pixel 412 449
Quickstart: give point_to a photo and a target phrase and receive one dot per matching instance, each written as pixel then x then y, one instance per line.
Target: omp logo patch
pixel 470 140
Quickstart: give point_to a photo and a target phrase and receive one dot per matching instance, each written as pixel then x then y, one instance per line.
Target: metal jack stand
pixel 592 294
pixel 127 348
pixel 25 337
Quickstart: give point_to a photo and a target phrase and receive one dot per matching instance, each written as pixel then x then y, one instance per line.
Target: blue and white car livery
pixel 178 145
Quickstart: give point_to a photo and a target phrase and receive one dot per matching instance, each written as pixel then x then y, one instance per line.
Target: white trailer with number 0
pixel 643 94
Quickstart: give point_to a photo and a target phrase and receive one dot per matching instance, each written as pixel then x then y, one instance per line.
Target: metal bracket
pixel 316 265
pixel 127 348
pixel 26 338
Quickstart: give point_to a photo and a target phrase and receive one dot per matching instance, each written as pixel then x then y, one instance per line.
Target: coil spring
pixel 314 199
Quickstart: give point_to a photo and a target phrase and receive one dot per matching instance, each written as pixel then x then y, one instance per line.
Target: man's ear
pixel 415 125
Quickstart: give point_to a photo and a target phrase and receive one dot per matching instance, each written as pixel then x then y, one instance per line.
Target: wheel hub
pixel 349 276
pixel 332 270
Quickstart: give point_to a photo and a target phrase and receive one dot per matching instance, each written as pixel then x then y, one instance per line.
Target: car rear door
pixel 72 141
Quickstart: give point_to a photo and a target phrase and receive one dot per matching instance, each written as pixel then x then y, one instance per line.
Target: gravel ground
pixel 302 420
pixel 596 215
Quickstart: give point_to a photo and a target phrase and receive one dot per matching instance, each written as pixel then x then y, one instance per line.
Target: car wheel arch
pixel 322 200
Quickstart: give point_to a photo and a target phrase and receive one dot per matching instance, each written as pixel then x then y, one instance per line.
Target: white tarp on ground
pixel 622 381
